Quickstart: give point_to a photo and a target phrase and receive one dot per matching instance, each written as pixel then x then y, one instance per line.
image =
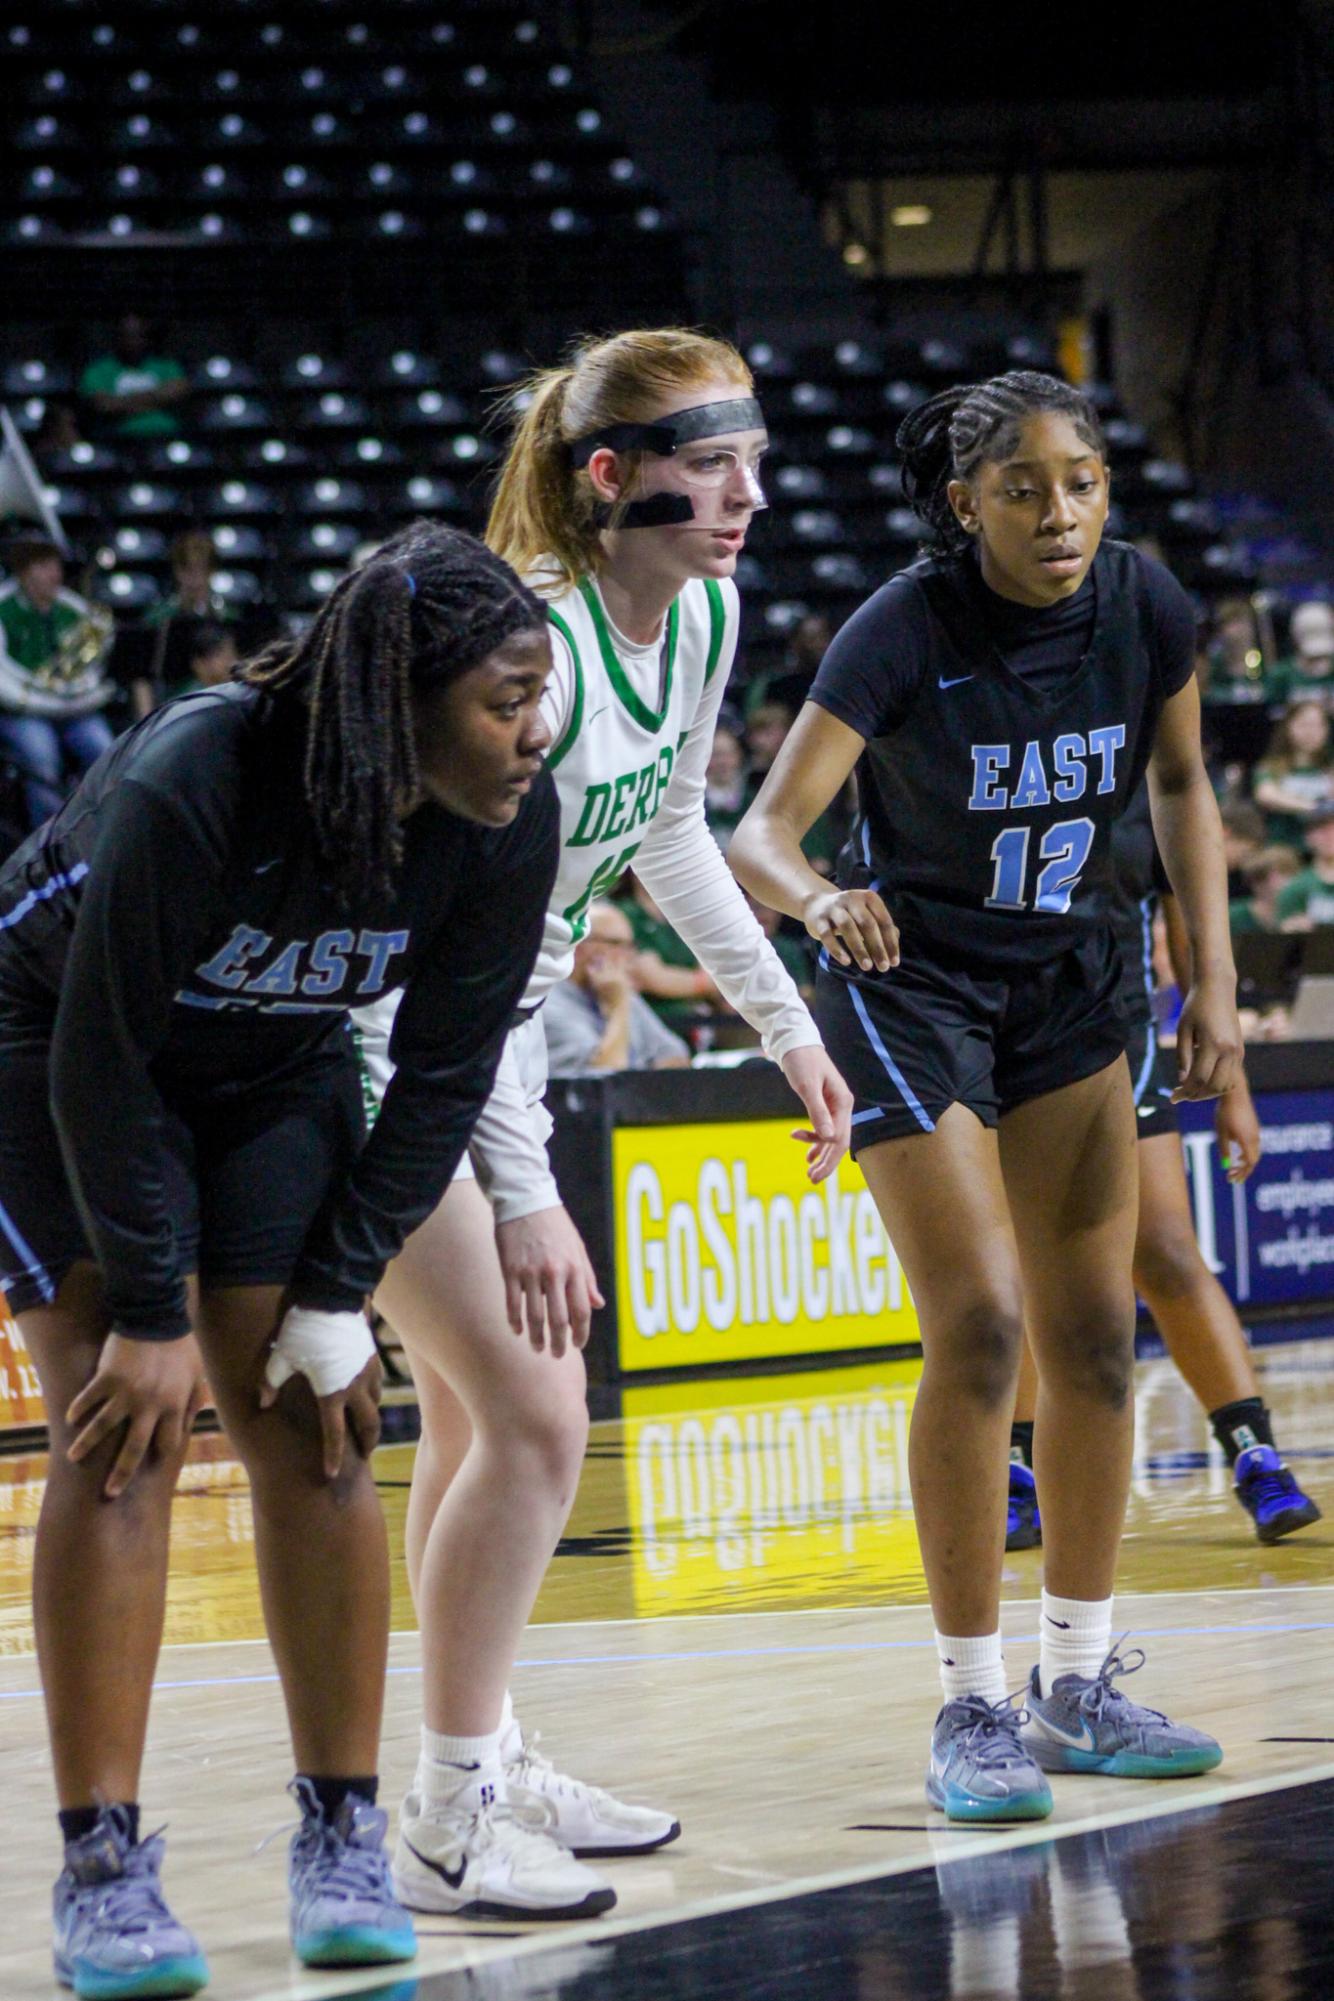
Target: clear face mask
pixel 706 468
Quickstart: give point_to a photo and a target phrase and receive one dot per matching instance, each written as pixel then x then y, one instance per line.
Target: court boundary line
pixel 772 1612
pixel 833 1648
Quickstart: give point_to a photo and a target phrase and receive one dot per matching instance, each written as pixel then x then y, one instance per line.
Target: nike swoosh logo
pixel 596 713
pixel 454 1877
pixel 1080 1741
pixel 957 682
pixel 1061 1625
pixel 264 867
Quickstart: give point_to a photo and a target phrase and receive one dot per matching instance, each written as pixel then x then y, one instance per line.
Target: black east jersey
pixel 988 794
pixel 1003 742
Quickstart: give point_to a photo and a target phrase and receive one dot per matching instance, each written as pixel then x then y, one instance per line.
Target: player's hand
pixel 1209 1041
pixel 829 1103
pixel 853 925
pixel 550 1285
pixel 1238 1131
pixel 334 1351
pixel 355 1409
pixel 152 1389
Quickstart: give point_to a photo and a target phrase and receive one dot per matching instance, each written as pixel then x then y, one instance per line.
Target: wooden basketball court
pixel 736 1628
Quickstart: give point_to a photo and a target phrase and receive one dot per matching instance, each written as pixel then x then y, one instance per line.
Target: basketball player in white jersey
pixel 630 482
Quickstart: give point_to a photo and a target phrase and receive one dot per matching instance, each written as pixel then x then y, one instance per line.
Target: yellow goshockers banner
pixel 20 1395
pixel 725 1253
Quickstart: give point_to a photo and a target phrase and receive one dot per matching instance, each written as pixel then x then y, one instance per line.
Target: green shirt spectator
pixel 1308 899
pixel 1268 875
pixel 132 388
pixel 1308 895
pixel 1294 780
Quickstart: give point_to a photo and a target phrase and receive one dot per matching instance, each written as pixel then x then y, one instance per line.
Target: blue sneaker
pixel 115 1938
pixel 980 1769
pixel 344 1911
pixel 1023 1523
pixel 1086 1725
pixel 1269 1493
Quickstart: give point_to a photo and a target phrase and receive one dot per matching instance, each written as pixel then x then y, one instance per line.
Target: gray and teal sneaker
pixel 115 1938
pixel 980 1768
pixel 1087 1725
pixel 344 1911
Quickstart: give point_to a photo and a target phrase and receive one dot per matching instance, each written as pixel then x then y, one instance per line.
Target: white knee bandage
pixel 328 1349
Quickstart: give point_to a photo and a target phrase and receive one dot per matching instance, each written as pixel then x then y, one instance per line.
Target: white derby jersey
pixel 626 714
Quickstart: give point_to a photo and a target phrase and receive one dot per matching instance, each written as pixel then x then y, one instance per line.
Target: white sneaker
pixel 582 1818
pixel 475 1860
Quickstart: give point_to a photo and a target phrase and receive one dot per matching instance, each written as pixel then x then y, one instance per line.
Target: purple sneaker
pixel 115 1938
pixel 1270 1495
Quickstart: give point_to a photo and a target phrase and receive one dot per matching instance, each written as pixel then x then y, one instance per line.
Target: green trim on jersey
pixel 577 706
pixel 717 626
pixel 636 709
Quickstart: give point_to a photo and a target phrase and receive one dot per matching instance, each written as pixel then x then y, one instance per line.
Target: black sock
pixel 332 1792
pixel 76 1821
pixel 1021 1443
pixel 1238 1426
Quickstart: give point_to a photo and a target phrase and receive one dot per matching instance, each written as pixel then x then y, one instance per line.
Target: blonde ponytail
pixel 544 518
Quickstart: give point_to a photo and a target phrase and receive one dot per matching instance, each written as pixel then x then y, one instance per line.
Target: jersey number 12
pixel 1062 853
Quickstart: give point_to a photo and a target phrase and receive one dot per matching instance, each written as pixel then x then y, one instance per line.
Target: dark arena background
pixel 267 269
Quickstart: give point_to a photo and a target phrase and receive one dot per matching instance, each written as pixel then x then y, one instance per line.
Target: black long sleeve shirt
pixel 175 932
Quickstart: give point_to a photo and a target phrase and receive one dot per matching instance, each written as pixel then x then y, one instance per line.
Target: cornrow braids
pixel 429 605
pixel 952 434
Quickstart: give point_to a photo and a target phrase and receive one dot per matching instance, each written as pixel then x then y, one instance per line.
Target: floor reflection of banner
pixel 777 1491
pixel 20 1396
pixel 725 1253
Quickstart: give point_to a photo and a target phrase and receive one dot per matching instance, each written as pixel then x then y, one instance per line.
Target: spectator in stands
pixel 596 1020
pixel 135 390
pixel 1243 838
pixel 207 658
pixel 1296 774
pixel 51 685
pixel 1237 663
pixel 192 595
pixel 1308 898
pixel 1267 876
pixel 725 792
pixel 767 724
pixel 790 681
pixel 1309 668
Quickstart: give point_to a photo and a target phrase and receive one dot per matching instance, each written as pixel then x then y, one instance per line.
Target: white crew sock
pixel 973 1665
pixel 1076 1637
pixel 450 1766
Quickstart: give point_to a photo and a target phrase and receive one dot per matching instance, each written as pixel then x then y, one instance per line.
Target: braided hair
pixel 428 606
pixel 952 434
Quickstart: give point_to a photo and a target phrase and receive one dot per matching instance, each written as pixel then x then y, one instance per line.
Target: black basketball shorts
pixel 1153 1076
pixel 938 1031
pixel 246 1171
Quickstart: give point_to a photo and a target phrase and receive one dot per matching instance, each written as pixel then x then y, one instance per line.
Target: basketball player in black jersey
pixel 1192 1312
pixel 184 1189
pixel 1001 701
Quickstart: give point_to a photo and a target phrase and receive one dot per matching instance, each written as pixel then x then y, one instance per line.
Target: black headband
pixel 703 420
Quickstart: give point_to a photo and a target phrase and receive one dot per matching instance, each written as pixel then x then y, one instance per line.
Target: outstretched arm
pixel 852 925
